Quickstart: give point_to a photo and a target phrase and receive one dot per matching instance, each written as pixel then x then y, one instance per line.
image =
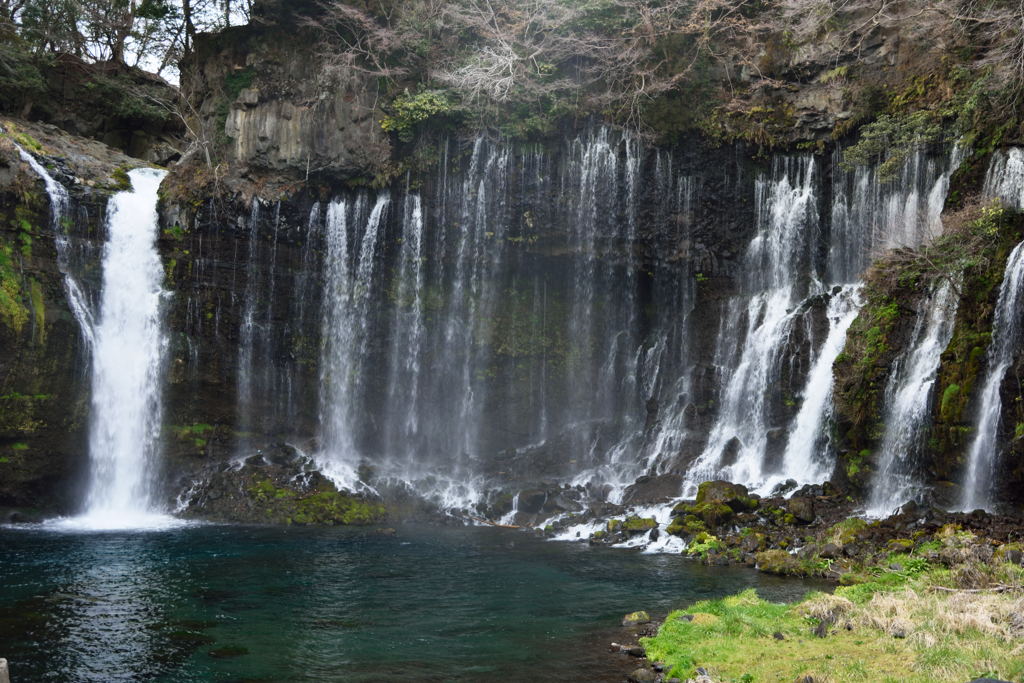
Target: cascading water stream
pixel 1006 338
pixel 1005 177
pixel 349 289
pixel 908 402
pixel 59 205
pixel 802 460
pixel 128 361
pixel 774 263
pixel 1004 181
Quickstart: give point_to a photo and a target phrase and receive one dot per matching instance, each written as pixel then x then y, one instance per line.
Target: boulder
pixel 779 562
pixel 735 496
pixel 532 501
pixel 647 490
pixel 643 675
pixel 636 618
pixel 802 509
pixel 632 525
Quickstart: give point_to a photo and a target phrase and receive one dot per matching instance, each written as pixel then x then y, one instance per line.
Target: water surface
pixel 212 603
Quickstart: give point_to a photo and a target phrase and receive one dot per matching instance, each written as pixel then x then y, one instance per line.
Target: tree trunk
pixel 122 29
pixel 190 27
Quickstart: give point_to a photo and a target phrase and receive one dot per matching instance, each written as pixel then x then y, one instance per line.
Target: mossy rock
pixel 735 496
pixel 711 514
pixel 632 525
pixel 900 545
pixel 779 562
pixel 688 525
pixel 846 531
pixel 636 618
pixel 1010 552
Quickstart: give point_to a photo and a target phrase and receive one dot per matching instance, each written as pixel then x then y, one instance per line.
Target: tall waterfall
pixel 909 401
pixel 784 276
pixel 353 242
pixel 470 341
pixel 1005 181
pixel 775 266
pixel 128 359
pixel 533 314
pixel 1006 339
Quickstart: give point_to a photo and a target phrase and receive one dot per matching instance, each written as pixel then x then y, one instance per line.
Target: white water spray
pixel 1006 337
pixel 805 436
pixel 128 359
pixel 908 402
pixel 59 205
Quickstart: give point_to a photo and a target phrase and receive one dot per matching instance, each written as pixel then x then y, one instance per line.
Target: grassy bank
pixel 910 619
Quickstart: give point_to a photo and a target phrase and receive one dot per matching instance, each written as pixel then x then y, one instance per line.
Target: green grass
pixel 895 626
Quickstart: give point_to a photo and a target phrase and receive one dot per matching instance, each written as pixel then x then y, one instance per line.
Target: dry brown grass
pixel 826 607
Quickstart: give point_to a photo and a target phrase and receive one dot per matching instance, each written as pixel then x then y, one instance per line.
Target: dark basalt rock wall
pixel 249 283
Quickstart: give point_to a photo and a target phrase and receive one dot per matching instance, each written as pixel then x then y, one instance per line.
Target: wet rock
pixel 752 542
pixel 532 501
pixel 802 509
pixel 735 496
pixel 910 509
pixel 643 675
pixel 784 488
pixel 829 551
pixel 632 526
pixel 648 490
pixel 710 513
pixel 636 618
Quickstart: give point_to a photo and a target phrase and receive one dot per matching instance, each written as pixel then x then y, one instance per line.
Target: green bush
pixel 410 110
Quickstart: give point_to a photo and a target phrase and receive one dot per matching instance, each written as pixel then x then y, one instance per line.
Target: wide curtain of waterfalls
pixel 504 321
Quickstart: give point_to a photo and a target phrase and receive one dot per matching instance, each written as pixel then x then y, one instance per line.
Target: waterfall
pixel 59 205
pixel 128 360
pixel 776 260
pixel 247 333
pixel 1005 177
pixel 351 260
pixel 802 460
pixel 870 216
pixel 491 356
pixel 1004 181
pixel 1006 338
pixel 909 401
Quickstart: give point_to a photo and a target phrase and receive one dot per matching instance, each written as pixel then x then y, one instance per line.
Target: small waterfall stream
pixel 806 457
pixel 128 359
pixel 1006 339
pixel 776 260
pixel 1004 181
pixel 59 206
pixel 909 402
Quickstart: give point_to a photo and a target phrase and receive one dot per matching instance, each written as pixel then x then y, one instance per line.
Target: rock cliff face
pixel 502 314
pixel 274 109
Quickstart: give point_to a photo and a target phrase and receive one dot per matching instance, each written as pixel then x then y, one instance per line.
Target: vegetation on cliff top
pixel 732 70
